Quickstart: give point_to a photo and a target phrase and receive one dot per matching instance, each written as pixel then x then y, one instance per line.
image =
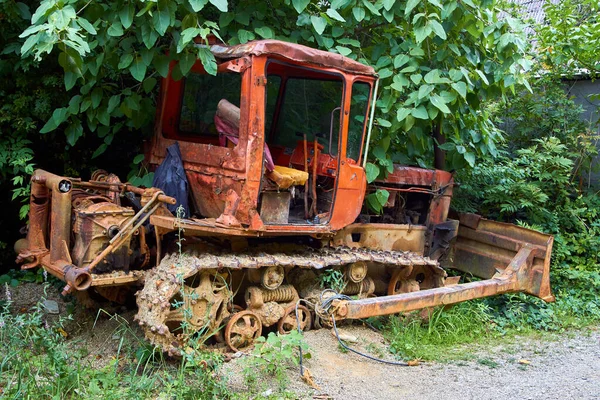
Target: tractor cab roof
pixel 296 53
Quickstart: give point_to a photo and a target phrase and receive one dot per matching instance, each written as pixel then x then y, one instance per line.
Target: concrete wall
pixel 580 90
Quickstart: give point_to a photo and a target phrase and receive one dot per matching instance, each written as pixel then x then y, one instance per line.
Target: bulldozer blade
pixel 508 258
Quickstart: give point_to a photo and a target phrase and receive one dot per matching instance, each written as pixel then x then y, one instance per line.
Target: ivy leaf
pixel 372 172
pixel 161 63
pixel 138 69
pixel 220 4
pixel 149 84
pixel 318 23
pixel 58 117
pixel 300 5
pixel 138 159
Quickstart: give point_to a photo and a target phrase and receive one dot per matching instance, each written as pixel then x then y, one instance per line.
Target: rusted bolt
pixel 342 311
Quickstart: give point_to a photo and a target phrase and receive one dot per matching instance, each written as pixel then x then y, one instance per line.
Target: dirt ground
pixel 563 366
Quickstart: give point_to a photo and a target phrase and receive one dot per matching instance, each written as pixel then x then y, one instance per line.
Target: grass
pixel 38 362
pixel 457 332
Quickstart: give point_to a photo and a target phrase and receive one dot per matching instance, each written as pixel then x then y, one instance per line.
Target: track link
pixel 164 282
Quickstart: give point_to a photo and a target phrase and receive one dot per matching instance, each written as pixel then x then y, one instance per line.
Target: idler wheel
pixel 289 323
pixel 242 330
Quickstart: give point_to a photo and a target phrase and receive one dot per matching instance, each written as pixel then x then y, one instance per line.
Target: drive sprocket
pixel 180 301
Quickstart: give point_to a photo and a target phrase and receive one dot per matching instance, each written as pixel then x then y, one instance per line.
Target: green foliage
pixel 537 183
pixel 272 357
pixel 37 361
pixel 414 337
pixel 437 62
pixel 568 42
pixel 332 279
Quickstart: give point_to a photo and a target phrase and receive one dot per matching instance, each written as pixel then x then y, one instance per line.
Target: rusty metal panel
pixel 383 237
pixel 275 207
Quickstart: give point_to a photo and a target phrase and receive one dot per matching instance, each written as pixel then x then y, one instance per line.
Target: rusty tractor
pixel 273 150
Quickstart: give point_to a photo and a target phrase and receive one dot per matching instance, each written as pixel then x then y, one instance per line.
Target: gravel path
pixel 567 368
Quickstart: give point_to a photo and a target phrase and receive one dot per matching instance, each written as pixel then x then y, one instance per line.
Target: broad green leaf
pixel 149 35
pixel 318 23
pixel 84 23
pixel 483 77
pixel 420 112
pixel 115 29
pixel 438 101
pixel 343 50
pixel 198 5
pixel 138 159
pixel 416 78
pixel 359 13
pixel 388 4
pixel 470 158
pixel 335 15
pixel 300 5
pixel 96 97
pixel 461 88
pixel 410 5
pixel 42 11
pixel 70 80
pixel 384 122
pixel 424 91
pixel 373 203
pixel 162 17
pixel 149 84
pixel 138 69
pixel 372 172
pixel 382 196
pixel 101 149
pixel 265 32
pixel 73 132
pixel 438 29
pixel 125 60
pixel 370 7
pixel 161 63
pixel 113 102
pixel 351 42
pixel 208 60
pixel 220 4
pixel 402 113
pixel 126 14
pixel 400 60
pixel 186 62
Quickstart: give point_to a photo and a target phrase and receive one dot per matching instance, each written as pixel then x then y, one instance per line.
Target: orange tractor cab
pixel 271 156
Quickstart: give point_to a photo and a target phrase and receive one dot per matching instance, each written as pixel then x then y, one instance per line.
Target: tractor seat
pixel 227 121
pixel 285 177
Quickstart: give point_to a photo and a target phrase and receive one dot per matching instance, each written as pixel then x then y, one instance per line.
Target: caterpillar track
pixel 199 293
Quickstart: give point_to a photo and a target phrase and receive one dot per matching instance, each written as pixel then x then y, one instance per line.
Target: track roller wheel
pixel 289 323
pixel 242 330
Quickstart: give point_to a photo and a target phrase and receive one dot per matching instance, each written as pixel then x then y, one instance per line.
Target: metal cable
pixel 324 307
